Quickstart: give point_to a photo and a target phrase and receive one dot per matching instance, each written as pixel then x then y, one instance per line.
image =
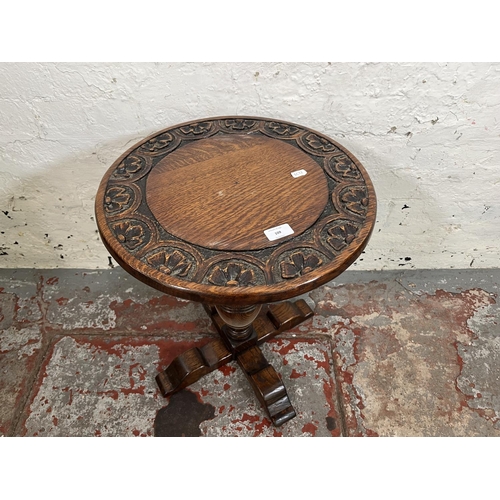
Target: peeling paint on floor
pixel 90 386
pixel 402 359
pixel 386 354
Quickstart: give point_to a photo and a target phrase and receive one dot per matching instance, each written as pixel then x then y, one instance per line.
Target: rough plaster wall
pixel 428 134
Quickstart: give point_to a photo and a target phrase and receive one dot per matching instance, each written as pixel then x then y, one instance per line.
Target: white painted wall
pixel 429 135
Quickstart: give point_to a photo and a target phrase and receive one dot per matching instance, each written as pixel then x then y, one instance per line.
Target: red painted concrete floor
pixel 411 353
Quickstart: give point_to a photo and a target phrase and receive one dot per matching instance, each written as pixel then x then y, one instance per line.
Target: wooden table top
pixel 236 210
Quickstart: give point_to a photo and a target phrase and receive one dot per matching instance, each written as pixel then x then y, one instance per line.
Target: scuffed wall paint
pixel 427 133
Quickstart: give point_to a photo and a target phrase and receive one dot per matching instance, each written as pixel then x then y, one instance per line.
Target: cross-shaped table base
pixel 266 382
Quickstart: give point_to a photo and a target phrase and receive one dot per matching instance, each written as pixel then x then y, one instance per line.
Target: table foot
pixel 191 365
pixel 267 385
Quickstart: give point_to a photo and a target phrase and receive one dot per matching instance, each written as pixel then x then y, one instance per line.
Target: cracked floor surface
pixel 396 353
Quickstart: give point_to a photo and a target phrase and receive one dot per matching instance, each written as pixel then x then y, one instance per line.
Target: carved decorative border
pixel 139 233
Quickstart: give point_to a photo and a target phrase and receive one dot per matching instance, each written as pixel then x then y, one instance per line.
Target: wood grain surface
pixel 225 191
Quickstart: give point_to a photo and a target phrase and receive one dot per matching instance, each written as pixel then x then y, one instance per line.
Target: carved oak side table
pixel 237 213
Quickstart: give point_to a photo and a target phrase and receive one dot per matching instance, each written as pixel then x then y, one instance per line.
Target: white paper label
pixel 298 173
pixel 275 233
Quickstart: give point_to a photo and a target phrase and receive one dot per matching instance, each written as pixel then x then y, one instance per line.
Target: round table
pixel 239 213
